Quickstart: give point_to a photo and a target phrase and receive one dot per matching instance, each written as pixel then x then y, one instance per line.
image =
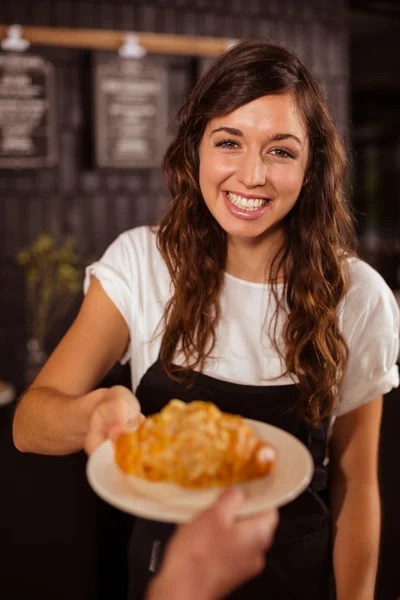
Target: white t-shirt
pixel 135 277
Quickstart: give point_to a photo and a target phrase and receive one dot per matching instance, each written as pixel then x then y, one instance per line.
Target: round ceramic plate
pixel 172 503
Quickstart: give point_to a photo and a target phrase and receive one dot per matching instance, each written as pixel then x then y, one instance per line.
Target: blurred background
pixel 80 152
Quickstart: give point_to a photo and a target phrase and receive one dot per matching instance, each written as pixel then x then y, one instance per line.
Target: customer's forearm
pixel 49 422
pixel 180 578
pixel 179 586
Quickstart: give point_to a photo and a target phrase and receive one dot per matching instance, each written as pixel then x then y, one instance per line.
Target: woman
pixel 249 295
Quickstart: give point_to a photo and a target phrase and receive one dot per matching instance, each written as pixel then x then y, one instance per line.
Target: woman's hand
pixel 214 554
pixel 118 411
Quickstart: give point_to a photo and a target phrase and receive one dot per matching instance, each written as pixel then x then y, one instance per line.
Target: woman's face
pixel 252 165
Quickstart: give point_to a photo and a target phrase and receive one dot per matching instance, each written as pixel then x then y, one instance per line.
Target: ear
pixel 307 178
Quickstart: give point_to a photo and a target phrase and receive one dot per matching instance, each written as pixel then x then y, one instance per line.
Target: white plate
pixel 172 503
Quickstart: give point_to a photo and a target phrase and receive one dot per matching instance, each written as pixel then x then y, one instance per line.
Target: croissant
pixel 194 445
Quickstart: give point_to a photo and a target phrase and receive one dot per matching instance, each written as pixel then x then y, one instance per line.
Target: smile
pixel 247 204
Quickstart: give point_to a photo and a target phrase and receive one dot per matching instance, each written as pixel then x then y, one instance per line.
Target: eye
pixel 282 153
pixel 228 144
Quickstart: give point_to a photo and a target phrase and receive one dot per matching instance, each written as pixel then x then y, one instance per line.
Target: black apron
pixel 299 565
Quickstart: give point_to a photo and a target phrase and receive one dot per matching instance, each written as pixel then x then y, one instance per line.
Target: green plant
pixel 53 276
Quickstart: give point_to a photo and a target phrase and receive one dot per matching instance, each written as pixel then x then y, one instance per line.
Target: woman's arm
pixel 355 501
pixel 53 417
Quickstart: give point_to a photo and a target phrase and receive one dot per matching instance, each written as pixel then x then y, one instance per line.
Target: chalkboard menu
pixel 130 111
pixel 28 132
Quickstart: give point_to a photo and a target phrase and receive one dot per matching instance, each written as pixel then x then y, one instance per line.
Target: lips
pixel 241 213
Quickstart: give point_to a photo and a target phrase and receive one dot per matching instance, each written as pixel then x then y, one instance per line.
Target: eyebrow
pixel 278 137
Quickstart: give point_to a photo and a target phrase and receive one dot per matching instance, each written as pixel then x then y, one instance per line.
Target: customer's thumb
pixel 229 504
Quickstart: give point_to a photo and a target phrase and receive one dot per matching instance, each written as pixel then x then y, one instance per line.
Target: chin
pixel 243 229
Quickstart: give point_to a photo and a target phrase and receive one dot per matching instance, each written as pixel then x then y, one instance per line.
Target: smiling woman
pixel 256 129
pixel 249 295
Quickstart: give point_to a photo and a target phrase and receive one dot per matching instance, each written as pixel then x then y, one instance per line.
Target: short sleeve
pixel 370 324
pixel 114 271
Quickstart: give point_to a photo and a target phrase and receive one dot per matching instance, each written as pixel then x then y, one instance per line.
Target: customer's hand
pixel 117 411
pixel 214 554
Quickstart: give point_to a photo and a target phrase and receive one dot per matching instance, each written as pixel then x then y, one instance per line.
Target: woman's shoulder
pixel 142 238
pixel 365 283
pixel 134 254
pixel 362 275
pixel 369 304
pixel 136 247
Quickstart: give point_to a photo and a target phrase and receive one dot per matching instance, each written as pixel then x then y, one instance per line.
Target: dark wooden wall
pixel 95 206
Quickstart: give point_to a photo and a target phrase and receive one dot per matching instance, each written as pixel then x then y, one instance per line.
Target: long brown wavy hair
pixel 319 229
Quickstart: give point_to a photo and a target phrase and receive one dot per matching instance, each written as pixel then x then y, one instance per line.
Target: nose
pixel 252 170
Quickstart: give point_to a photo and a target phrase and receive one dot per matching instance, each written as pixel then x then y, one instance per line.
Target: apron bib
pixel 299 565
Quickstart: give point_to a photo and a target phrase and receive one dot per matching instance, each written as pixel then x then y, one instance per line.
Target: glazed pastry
pixel 194 445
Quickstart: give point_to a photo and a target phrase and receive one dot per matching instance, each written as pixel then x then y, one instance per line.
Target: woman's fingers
pixel 123 426
pixel 124 403
pixel 134 423
pixel 116 413
pixel 93 439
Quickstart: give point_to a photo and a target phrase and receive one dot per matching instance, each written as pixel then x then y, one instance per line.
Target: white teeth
pixel 244 203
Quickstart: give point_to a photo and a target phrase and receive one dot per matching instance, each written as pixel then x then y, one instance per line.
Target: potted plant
pixel 53 277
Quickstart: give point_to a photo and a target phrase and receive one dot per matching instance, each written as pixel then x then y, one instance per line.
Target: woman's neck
pixel 251 260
